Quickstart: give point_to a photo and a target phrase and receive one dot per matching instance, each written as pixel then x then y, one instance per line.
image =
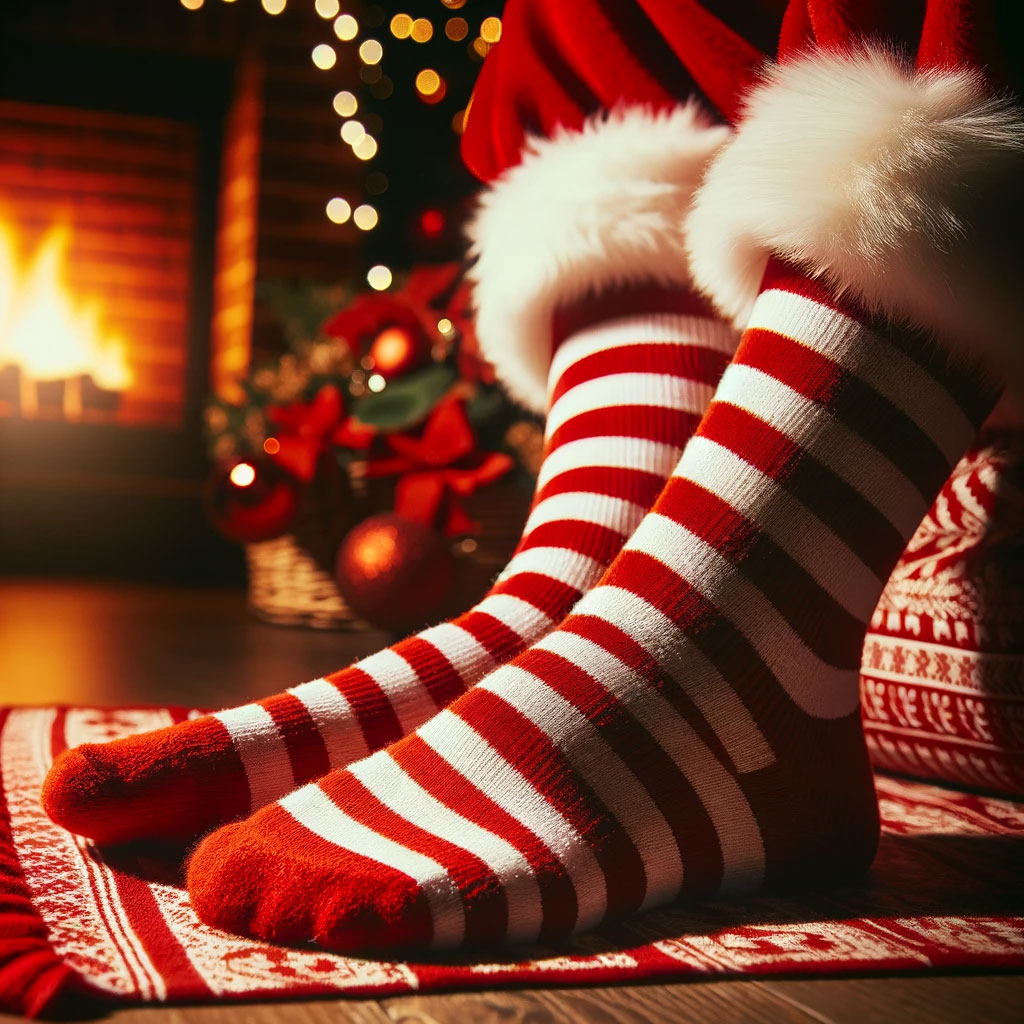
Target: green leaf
pixel 406 401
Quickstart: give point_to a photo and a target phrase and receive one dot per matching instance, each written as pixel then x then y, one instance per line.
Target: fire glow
pixel 48 333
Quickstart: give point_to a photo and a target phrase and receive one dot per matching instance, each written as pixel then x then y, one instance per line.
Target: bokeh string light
pixel 346 28
pixel 365 217
pixel 345 103
pixel 379 277
pixel 428 85
pixel 324 56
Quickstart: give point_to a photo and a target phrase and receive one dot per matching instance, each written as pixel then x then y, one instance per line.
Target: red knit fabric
pixel 692 728
pixel 942 673
pixel 559 63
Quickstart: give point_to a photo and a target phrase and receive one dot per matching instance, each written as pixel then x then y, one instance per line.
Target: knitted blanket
pixel 81 922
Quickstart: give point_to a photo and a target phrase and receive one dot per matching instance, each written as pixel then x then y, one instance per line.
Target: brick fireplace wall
pixel 90 497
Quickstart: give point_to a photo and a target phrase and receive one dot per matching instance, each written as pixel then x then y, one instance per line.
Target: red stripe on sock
pixel 690 363
pixel 439 778
pixel 302 739
pixel 532 753
pixel 866 531
pixel 551 596
pixel 650 422
pixel 482 894
pixel 633 485
pixel 371 705
pixel 644 756
pixel 434 670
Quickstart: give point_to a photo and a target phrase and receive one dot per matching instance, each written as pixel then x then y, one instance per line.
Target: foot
pixel 692 728
pixel 624 397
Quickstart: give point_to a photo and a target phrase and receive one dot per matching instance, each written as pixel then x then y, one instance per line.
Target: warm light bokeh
pixel 47 332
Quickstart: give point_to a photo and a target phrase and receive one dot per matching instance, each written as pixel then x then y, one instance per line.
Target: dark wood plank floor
pixel 110 644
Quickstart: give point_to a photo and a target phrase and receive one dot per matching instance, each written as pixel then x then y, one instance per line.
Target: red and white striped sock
pixel 625 393
pixel 692 727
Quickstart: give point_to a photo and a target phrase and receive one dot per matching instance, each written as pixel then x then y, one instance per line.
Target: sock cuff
pixel 583 213
pixel 896 186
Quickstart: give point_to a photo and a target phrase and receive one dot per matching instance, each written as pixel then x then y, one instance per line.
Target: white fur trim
pixel 897 185
pixel 582 212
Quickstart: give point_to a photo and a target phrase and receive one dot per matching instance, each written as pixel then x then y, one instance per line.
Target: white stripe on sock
pixel 682 661
pixel 815 686
pixel 842 450
pixel 262 750
pixel 583 745
pixel 463 651
pixel 313 809
pixel 836 568
pixel 611 452
pixel 833 334
pixel 518 615
pixel 586 507
pixel 739 836
pixel 482 766
pixel 396 677
pixel 389 783
pixel 333 717
pixel 657 390
pixel 562 564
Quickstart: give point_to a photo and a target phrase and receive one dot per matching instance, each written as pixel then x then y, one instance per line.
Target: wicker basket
pixel 290 587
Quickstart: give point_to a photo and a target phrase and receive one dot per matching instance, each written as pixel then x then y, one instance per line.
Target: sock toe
pixel 224 879
pixel 172 784
pixel 267 877
pixel 374 908
pixel 75 790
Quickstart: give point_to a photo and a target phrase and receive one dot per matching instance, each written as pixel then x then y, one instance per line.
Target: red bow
pixel 308 428
pixel 439 468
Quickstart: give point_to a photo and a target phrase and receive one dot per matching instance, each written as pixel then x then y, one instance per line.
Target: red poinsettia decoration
pixel 401 329
pixel 438 467
pixel 304 431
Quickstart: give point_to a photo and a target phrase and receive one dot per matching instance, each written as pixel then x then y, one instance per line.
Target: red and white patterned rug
pixel 75 921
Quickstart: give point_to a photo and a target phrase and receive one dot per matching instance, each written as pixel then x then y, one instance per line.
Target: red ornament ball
pixel 250 500
pixel 393 572
pixel 398 350
pixel 432 223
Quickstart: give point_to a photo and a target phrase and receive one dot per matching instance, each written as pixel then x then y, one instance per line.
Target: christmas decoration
pixel 251 500
pixel 439 467
pixel 381 404
pixel 415 80
pixel 397 350
pixel 394 572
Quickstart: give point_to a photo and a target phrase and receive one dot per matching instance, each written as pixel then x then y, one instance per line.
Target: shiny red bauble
pixel 250 500
pixel 394 573
pixel 397 350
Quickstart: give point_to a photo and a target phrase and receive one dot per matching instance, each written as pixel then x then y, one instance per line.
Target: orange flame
pixel 44 330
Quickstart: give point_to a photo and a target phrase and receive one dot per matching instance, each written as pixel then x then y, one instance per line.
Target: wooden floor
pixel 108 644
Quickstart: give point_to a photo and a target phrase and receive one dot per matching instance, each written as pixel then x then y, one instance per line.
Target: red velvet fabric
pixel 559 63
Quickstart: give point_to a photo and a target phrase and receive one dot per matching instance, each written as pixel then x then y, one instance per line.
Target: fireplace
pixel 96 236
pixel 155 167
